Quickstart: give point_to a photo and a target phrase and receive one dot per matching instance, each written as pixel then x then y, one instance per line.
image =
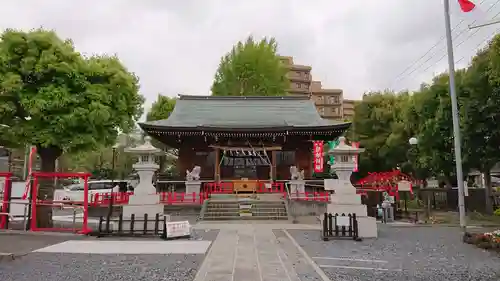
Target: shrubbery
pixel 497 212
pixel 489 240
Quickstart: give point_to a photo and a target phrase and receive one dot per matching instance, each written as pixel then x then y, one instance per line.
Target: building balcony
pixel 299 78
pixel 295 91
pixel 327 103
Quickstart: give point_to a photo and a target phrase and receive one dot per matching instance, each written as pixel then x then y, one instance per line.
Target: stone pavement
pixel 252 252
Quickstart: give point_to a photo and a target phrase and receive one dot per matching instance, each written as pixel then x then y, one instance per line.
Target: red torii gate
pixel 386 181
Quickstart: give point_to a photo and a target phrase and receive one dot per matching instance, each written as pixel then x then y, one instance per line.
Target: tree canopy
pixel 252 68
pixel 60 100
pixel 161 108
pixel 384 122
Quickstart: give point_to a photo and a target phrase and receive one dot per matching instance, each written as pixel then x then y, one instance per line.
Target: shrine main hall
pixel 244 137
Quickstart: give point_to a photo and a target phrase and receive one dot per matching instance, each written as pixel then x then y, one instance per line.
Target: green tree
pixel 102 159
pixel 160 110
pixel 433 122
pixel 61 101
pixel 481 115
pixel 252 68
pixel 378 125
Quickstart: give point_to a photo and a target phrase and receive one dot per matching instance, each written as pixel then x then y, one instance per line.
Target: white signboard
pixel 178 229
pixel 432 184
pixel 343 221
pixel 404 186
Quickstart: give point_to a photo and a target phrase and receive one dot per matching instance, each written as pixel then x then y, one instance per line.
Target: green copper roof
pixel 238 112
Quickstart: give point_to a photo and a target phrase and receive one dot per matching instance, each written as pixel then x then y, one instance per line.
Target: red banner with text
pixel 318 156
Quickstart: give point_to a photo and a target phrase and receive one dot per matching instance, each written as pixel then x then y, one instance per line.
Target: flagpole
pixel 455 116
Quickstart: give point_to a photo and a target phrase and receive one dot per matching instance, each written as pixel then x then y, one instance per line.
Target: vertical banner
pixel 355 157
pixel 332 145
pixel 318 156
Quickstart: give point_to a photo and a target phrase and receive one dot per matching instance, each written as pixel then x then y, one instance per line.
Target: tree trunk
pixel 488 192
pixel 46 187
pixel 447 183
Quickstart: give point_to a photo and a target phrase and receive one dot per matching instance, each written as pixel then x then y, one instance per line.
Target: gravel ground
pixel 409 253
pixel 89 267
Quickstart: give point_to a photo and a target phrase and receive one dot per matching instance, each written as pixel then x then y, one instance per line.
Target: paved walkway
pixel 248 252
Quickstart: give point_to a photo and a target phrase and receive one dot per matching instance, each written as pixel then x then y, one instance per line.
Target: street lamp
pixel 413 141
pixel 115 147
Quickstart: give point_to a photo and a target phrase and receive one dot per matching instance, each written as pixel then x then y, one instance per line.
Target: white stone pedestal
pixel 346 201
pixel 193 186
pixel 140 204
pixel 297 188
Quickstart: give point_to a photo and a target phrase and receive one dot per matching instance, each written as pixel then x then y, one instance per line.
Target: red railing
pixel 271 187
pixel 323 196
pixel 168 198
pixel 218 187
pixel 175 198
pixel 119 198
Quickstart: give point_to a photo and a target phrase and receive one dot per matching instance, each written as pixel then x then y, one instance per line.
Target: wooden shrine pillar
pixel 217 166
pixel 273 165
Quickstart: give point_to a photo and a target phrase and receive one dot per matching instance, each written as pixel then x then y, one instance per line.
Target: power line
pixel 462 42
pixel 431 48
pixel 426 53
pixel 402 77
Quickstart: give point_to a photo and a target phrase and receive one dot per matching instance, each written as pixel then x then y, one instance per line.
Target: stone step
pixel 270 208
pixel 253 212
pixel 253 206
pixel 216 218
pixel 212 201
pixel 212 204
pixel 228 208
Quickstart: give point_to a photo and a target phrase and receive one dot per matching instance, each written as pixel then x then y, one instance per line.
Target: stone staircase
pixel 256 207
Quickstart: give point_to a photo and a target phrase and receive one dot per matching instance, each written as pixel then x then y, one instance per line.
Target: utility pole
pixel 455 116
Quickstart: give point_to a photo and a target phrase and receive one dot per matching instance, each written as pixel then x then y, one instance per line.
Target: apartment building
pixel 329 102
pixel 299 76
pixel 348 108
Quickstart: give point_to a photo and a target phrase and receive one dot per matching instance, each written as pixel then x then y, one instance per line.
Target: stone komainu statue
pixel 295 174
pixel 193 175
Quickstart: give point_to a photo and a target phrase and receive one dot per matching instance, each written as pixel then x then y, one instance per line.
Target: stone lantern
pixel 344 199
pixel 145 200
pixel 345 156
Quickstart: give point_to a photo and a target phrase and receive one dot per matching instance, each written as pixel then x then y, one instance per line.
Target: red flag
pixel 469 10
pixel 466 5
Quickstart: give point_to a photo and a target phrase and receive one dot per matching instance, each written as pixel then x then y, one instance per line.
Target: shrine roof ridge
pixel 193 97
pixel 246 113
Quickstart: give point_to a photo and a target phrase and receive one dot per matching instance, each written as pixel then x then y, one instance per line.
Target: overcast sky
pixel 174 46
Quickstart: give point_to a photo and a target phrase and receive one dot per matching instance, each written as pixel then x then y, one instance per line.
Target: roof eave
pixel 342 126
